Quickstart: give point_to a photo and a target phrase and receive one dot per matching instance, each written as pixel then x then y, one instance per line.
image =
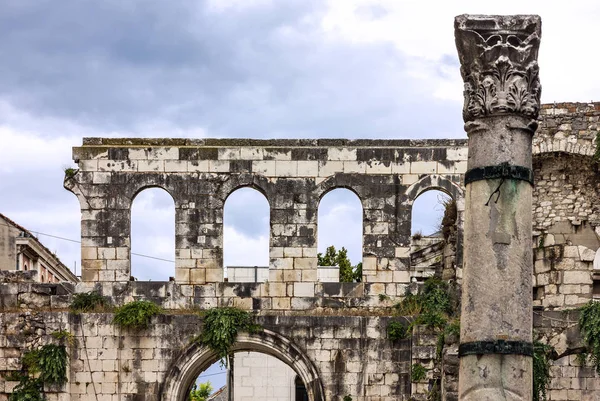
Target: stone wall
pixel 292 174
pixel 332 334
pixel 566 175
pixel 334 355
pixel 566 204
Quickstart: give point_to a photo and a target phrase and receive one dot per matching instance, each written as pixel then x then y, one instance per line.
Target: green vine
pixel 397 330
pixel 221 327
pixel 136 315
pixel 451 330
pixel 542 240
pixel 64 336
pixel 541 370
pixel 46 365
pixel 88 302
pixel 28 389
pixel 418 372
pixel 589 325
pixel 432 307
pixel 52 362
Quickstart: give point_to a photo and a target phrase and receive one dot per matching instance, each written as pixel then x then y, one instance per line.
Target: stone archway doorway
pixel 197 358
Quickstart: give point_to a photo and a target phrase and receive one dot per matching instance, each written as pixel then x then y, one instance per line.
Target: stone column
pixel 498 56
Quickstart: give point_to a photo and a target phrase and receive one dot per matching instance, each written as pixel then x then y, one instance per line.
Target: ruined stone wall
pixel 336 327
pixel 571 379
pixel 566 175
pixel 292 174
pixel 563 274
pixel 351 354
pixel 566 204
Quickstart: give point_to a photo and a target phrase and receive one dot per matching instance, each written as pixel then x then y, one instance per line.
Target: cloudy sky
pixel 240 68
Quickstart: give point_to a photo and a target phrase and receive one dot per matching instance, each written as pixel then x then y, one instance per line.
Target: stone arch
pixel 150 181
pixel 571 144
pixel 196 358
pixel 256 182
pixel 72 185
pixel 338 182
pixel 436 182
pixel 449 187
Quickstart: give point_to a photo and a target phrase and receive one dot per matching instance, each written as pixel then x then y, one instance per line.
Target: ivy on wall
pixel 46 365
pixel 88 302
pixel 221 327
pixel 541 370
pixel 589 325
pixel 136 315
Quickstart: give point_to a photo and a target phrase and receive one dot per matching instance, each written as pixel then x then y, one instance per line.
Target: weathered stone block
pixel 423 167
pixel 354 167
pixel 282 263
pixel 251 153
pixel 307 168
pixel 304 290
pixel 281 303
pixel 286 168
pixel 329 168
pixel 378 167
pixel 218 166
pixel 409 179
pixel 182 275
pixel 341 154
pixel 305 263
pixel 213 275
pixel 577 277
pixel 151 165
pixel 197 166
pixel 176 166
pixel 266 167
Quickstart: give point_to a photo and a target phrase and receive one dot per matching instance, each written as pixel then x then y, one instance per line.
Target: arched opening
pixel 246 220
pixel 276 355
pixel 211 384
pixel 249 376
pixel 300 393
pixel 152 235
pixel 340 237
pixel 433 229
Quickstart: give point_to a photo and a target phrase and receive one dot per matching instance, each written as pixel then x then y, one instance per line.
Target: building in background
pixel 20 250
pixel 258 376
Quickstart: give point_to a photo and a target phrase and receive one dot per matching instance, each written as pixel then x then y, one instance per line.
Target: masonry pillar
pixel 498 56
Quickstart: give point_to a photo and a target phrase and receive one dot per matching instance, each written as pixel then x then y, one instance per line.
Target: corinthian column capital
pixel 498 57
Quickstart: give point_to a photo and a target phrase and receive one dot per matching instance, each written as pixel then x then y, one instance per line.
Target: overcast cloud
pixel 239 68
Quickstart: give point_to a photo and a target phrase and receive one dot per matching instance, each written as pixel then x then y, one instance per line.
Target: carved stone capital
pixel 498 57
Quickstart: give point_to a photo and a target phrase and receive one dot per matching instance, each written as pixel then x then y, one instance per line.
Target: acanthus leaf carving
pixel 498 58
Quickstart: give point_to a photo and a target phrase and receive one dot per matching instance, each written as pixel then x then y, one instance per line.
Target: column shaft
pixel 499 66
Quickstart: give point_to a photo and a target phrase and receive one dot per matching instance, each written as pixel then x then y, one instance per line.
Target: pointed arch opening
pixel 340 237
pixel 152 235
pixel 246 233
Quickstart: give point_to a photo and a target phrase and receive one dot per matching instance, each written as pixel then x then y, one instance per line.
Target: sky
pixel 240 68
